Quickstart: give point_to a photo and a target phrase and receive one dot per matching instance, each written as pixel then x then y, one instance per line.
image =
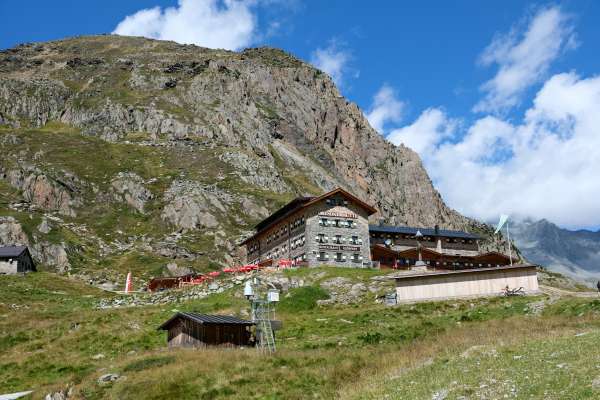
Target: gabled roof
pixel 302 202
pixel 366 206
pixel 12 251
pixel 206 319
pixel 409 230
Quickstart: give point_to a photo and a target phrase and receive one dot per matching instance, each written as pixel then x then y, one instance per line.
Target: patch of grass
pixel 147 363
pixel 302 299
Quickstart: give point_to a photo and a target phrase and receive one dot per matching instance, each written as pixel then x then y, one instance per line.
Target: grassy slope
pixel 50 331
pixel 59 148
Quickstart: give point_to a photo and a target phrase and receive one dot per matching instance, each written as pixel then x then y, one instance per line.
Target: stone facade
pixel 332 230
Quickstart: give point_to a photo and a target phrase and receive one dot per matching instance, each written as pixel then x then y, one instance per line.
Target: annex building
pixel 333 229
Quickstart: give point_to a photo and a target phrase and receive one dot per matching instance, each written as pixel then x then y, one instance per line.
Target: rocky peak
pixel 234 135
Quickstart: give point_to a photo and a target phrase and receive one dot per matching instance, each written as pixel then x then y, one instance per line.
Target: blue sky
pixel 418 70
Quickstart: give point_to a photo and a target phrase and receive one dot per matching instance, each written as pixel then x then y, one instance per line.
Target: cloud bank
pixel 227 24
pixel 523 58
pixel 545 164
pixel 333 60
pixel 387 108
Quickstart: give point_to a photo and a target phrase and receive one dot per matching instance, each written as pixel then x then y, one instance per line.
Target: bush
pixel 371 338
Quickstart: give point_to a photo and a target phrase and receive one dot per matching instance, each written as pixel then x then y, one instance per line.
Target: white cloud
pixel 546 166
pixel 227 24
pixel 387 108
pixel 524 58
pixel 333 60
pixel 424 134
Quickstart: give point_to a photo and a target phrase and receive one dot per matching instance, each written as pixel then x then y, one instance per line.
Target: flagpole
pixel 508 237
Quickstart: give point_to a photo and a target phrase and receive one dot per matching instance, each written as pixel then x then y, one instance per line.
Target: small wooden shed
pixel 200 330
pixel 16 259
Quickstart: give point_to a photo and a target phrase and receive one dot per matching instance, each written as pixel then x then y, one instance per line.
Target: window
pixel 321 238
pixel 338 239
pixel 355 257
pixel 323 256
pixel 323 222
pixel 339 257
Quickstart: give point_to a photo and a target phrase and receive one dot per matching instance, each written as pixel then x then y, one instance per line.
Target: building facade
pixel 331 229
pixel 15 259
pixel 468 283
pixel 400 238
pixel 200 330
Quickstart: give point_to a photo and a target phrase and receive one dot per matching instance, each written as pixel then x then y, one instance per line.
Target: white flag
pixel 503 219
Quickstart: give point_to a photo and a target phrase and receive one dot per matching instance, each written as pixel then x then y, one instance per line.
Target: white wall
pixel 465 284
pixel 8 267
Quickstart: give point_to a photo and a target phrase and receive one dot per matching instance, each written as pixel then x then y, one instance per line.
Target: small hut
pixel 201 330
pixel 15 259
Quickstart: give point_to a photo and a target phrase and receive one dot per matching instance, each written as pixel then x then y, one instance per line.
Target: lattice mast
pixel 263 313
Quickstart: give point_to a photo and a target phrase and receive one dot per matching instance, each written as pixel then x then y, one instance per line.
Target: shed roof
pixel 12 251
pixel 410 275
pixel 409 230
pixel 206 319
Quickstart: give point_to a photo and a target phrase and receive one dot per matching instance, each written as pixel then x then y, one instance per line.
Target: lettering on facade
pixel 338 247
pixel 338 214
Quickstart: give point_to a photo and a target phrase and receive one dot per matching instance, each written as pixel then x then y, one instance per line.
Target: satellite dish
pixel 388 242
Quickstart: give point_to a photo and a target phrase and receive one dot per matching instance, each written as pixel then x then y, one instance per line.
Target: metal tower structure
pixel 263 314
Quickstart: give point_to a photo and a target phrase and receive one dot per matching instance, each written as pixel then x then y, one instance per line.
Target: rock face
pixel 190 205
pixel 572 253
pixel 248 99
pixel 255 171
pixel 45 192
pixel 11 233
pixel 129 187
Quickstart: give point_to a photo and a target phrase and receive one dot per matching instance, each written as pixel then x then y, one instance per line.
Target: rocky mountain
pixel 121 153
pixel 572 253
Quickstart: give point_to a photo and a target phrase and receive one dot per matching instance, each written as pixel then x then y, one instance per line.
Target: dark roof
pixel 12 251
pixel 409 230
pixel 461 271
pixel 207 319
pixel 288 209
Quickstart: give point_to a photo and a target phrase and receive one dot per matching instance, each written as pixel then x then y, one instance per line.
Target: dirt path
pixel 552 291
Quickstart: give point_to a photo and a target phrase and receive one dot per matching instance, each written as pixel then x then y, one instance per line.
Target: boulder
pixel 129 188
pixel 108 378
